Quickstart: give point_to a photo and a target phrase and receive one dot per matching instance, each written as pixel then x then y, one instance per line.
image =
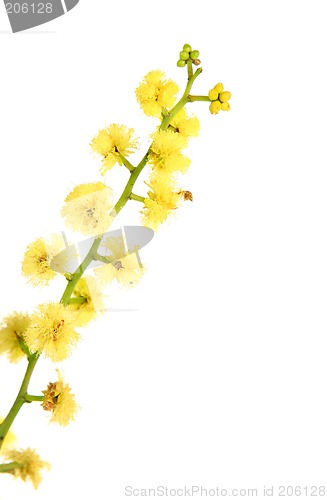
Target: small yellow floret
pixel 165 152
pixel 163 198
pixel 12 330
pixel 30 465
pixel 155 93
pixel 186 126
pixel 87 208
pixel 36 263
pixel 125 267
pixel 51 331
pixel 87 289
pixel 59 399
pixel 112 143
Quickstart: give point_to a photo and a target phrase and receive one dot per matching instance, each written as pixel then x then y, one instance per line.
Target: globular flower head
pixel 166 152
pixel 12 331
pixel 125 267
pixel 59 400
pixel 37 259
pixel 87 208
pixel 87 290
pixel 184 125
pixel 163 198
pixel 51 331
pixel 29 465
pixel 112 143
pixel 156 93
pixel 219 99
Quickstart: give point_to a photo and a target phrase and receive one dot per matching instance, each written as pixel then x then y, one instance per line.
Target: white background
pixel 218 377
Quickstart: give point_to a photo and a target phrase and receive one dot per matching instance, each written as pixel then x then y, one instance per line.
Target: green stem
pixel 130 184
pixel 189 68
pixel 136 197
pixel 181 103
pixel 29 398
pixel 10 466
pixel 20 399
pixel 193 98
pixel 126 195
pixel 102 258
pixel 126 162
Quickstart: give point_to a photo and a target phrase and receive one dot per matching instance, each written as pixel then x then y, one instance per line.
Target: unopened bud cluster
pixel 219 99
pixel 187 54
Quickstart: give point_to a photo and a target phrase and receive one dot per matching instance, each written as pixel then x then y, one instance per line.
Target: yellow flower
pixel 125 267
pixel 37 259
pixel 187 127
pixel 9 440
pixel 162 200
pixel 87 208
pixel 51 331
pixel 111 143
pixel 155 93
pixel 165 151
pixel 30 465
pixel 12 331
pixel 87 289
pixel 60 401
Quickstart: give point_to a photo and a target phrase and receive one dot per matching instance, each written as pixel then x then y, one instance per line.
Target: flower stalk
pixel 88 209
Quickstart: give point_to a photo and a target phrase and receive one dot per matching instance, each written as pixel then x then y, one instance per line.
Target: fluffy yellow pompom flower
pixel 30 465
pixel 125 268
pixel 184 125
pixel 155 93
pixel 88 300
pixel 165 151
pixel 51 331
pixel 9 440
pixel 59 399
pixel 112 143
pixel 37 258
pixel 87 208
pixel 12 330
pixel 162 200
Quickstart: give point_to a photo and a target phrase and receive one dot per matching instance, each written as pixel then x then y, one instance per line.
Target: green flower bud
pixel 213 95
pixel 181 63
pixel 224 96
pixel 194 54
pixel 184 55
pixel 187 48
pixel 215 107
pixel 225 106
